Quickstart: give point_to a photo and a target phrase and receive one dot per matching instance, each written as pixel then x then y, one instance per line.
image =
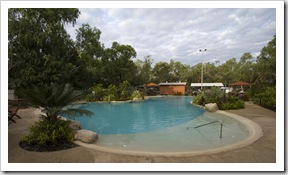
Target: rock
pixel 86 136
pixel 75 125
pixel 62 118
pixel 137 99
pixel 211 107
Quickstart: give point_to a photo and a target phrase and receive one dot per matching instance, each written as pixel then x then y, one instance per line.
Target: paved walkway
pixel 261 151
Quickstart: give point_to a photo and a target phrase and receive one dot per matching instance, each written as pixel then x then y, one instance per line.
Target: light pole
pixel 200 50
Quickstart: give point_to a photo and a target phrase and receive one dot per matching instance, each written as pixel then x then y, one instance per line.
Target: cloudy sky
pixel 178 34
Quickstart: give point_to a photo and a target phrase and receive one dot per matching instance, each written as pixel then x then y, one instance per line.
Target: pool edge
pixel 255 133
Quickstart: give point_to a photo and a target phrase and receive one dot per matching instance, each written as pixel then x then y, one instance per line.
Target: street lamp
pixel 200 50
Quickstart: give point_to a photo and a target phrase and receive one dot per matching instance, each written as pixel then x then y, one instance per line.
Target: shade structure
pixel 240 83
pixel 206 84
pixel 152 85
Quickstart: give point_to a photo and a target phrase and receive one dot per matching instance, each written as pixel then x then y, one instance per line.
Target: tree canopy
pixel 42 52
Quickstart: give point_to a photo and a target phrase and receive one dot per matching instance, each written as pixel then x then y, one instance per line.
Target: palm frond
pixel 54 99
pixel 72 112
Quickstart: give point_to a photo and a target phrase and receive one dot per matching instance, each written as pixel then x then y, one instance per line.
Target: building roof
pixel 206 84
pixel 173 84
pixel 240 83
pixel 151 85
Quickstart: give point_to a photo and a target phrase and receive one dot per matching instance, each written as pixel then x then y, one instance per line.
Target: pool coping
pixel 255 133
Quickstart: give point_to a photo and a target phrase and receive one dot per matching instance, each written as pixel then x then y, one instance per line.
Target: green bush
pixel 199 99
pixel 113 93
pixel 136 94
pixel 231 103
pixel 124 92
pixel 48 133
pixel 97 93
pixel 215 95
pixel 267 98
pixel 109 98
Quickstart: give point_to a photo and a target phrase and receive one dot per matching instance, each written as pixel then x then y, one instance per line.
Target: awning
pixel 240 83
pixel 206 84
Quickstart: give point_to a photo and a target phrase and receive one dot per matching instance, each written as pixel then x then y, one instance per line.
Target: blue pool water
pixel 137 117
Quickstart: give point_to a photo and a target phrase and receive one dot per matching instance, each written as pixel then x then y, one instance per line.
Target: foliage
pixel 40 50
pixel 162 70
pixel 216 95
pixel 55 100
pixel 112 93
pixel 231 102
pixel 117 64
pixel 98 92
pixel 47 133
pixel 144 70
pixel 267 98
pixel 90 51
pixel 124 91
pixel 136 94
pixel 199 99
pixel 213 95
pixel 266 65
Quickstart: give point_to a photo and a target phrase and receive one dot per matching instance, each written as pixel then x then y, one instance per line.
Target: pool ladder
pixel 221 124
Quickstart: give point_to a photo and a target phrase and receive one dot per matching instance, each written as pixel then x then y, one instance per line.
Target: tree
pixel 195 75
pixel 162 71
pixel 118 64
pixel 246 68
pixel 55 100
pixel 229 71
pixel 179 70
pixel 90 51
pixel 144 70
pixel 39 47
pixel 266 64
pixel 147 69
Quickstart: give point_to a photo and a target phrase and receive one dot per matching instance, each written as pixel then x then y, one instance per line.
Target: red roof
pixel 240 83
pixel 151 85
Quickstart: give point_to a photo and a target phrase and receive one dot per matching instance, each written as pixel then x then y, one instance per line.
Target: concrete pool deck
pixel 261 151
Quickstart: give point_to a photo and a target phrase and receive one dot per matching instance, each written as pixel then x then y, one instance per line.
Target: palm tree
pixel 55 100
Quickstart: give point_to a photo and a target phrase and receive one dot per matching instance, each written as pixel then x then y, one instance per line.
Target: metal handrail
pixel 221 124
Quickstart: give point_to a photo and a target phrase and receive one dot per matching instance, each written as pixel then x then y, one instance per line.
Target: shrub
pixel 49 133
pixel 112 91
pixel 124 92
pixel 267 98
pixel 109 98
pixel 98 92
pixel 199 99
pixel 231 103
pixel 136 94
pixel 215 95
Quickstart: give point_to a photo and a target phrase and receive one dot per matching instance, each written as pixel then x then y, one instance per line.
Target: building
pixel 206 84
pixel 172 88
pixel 197 86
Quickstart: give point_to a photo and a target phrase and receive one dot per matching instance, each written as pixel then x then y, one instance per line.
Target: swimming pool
pixel 137 117
pixel 162 127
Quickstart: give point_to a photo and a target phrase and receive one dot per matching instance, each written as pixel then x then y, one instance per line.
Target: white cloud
pixel 179 33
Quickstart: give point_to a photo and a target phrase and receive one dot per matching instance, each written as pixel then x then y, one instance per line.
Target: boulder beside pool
pixel 75 125
pixel 86 136
pixel 211 107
